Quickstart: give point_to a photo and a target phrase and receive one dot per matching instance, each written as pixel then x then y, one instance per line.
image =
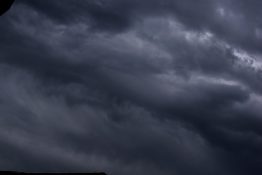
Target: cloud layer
pixel 131 87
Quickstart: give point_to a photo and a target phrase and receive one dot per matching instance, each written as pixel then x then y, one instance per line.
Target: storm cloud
pixel 132 87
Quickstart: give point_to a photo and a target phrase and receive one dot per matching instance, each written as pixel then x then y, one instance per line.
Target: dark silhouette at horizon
pixel 16 172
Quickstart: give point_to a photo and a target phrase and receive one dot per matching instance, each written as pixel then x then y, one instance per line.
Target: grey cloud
pixel 234 21
pixel 131 87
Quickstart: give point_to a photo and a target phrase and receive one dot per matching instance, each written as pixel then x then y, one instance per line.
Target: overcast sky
pixel 132 87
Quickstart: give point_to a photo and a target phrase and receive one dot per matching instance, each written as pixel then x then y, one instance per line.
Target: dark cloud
pixel 5 6
pixel 131 87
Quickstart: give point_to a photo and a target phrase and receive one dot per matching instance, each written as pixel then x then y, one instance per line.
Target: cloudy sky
pixel 161 87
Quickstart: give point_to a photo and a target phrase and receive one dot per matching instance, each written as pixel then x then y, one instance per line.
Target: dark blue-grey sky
pixel 160 87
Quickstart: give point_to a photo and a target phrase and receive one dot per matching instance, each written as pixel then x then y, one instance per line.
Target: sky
pixel 159 87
